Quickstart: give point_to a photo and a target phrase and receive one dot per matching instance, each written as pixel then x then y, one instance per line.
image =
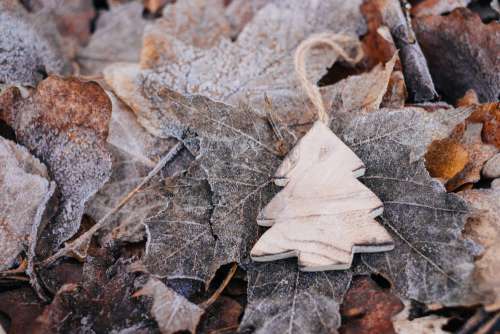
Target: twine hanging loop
pixel 335 42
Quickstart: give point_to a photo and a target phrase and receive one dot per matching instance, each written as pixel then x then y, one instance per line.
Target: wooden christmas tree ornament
pixel 324 214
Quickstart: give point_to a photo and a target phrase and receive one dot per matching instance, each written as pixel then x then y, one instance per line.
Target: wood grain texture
pixel 324 214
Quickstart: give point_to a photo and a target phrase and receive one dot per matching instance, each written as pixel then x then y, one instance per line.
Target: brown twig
pixel 79 246
pixel 19 270
pixel 221 288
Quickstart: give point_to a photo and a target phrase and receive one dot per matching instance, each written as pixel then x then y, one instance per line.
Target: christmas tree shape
pixel 324 214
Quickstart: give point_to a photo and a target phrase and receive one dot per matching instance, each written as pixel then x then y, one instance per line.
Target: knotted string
pixel 333 41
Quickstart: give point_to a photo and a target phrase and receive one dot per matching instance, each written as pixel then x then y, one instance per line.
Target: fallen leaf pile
pixel 138 141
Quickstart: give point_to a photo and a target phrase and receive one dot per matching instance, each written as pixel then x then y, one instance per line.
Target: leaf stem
pixel 221 288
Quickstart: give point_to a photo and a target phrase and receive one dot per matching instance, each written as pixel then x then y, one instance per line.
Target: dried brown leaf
pixel 22 307
pixel 478 153
pixel 489 115
pixel 367 308
pixel 101 303
pixel 396 94
pixel 222 317
pixel 378 45
pixel 462 53
pixel 437 7
pixel 154 6
pixel 64 123
pixel 445 158
pixel 458 160
pixel 469 98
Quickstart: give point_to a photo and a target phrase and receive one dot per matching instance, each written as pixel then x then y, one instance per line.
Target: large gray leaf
pixel 234 147
pixel 462 53
pixel 431 261
pixel 200 217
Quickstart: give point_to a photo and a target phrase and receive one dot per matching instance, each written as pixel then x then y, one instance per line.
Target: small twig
pixel 80 245
pixel 17 278
pixel 221 288
pixel 19 270
pixel 272 117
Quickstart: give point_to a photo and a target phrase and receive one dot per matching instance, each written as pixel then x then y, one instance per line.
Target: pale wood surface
pixel 324 214
pixel 320 144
